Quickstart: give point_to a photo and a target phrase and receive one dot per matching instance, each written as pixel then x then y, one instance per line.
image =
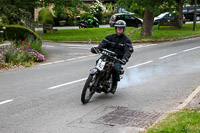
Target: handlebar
pixel 106 52
pixel 113 55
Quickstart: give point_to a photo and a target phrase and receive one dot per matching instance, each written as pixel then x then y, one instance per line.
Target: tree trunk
pixel 195 16
pixel 32 11
pixel 179 9
pixel 147 26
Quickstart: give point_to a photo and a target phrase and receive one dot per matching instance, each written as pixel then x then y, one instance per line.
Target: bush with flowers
pixel 24 53
pixel 65 14
pixel 97 10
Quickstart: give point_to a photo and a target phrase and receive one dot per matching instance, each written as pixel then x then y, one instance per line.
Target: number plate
pixel 100 65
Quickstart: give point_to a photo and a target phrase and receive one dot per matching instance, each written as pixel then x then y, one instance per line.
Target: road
pixel 46 98
pixel 72 27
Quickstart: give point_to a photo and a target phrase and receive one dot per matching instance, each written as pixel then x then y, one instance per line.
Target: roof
pixel 128 13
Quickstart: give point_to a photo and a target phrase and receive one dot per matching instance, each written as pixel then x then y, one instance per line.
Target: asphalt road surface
pixel 46 97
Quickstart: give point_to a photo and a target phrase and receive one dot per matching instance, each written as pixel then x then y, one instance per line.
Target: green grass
pixel 185 121
pixel 96 34
pixel 168 33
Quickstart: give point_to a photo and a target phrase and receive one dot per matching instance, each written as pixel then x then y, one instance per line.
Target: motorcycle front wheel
pixel 87 91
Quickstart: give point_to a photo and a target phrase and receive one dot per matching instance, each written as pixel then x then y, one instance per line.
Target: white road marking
pixel 140 64
pixel 58 61
pixel 81 57
pixel 166 56
pixel 46 64
pixel 68 45
pixel 7 101
pixel 190 49
pixel 48 46
pixel 143 46
pixel 93 55
pixel 79 48
pixel 71 59
pixel 55 62
pixel 65 84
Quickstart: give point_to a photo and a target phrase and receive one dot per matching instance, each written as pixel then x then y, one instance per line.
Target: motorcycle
pixel 90 23
pixel 100 77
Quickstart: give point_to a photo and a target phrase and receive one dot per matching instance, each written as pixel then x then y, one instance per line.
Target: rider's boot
pixel 114 87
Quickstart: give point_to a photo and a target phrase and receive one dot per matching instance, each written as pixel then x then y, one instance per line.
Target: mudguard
pixel 93 71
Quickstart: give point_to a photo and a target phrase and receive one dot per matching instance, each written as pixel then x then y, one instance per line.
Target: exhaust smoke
pixel 136 76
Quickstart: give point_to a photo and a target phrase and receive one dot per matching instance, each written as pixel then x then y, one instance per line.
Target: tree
pixel 16 10
pixel 131 6
pixel 150 7
pixel 195 14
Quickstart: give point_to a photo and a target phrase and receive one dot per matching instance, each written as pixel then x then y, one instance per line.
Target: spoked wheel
pixel 88 92
pixel 110 81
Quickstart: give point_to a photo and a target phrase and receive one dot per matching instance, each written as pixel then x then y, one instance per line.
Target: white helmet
pixel 120 23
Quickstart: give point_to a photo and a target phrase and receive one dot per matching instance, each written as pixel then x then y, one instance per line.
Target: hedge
pixel 17 33
pixel 45 16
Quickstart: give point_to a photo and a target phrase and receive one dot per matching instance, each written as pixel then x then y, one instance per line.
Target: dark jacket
pixel 121 45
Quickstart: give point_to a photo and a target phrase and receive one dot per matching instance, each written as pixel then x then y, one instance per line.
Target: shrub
pixel 22 53
pixel 17 33
pixel 45 16
pixel 97 10
pixel 86 16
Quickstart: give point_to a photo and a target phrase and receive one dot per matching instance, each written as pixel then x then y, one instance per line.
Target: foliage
pixel 16 33
pixel 131 6
pixel 45 16
pixel 67 10
pixel 86 16
pixel 97 10
pixel 2 30
pixel 155 6
pixel 185 121
pixel 110 10
pixel 11 14
pixel 65 13
pixel 67 3
pixel 13 11
pixel 22 53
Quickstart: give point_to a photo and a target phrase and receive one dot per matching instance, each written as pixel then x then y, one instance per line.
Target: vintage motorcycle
pixel 100 77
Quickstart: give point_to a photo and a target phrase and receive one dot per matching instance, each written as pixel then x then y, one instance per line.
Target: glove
pixel 94 50
pixel 123 62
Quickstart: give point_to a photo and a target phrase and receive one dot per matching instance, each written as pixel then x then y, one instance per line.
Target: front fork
pixel 98 76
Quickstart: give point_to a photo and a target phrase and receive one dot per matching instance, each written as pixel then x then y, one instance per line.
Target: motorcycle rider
pixel 121 45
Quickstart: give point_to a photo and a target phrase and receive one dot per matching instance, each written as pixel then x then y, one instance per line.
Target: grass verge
pixel 96 34
pixel 166 33
pixel 185 121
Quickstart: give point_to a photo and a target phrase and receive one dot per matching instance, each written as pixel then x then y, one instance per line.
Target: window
pixel 120 17
pixel 127 17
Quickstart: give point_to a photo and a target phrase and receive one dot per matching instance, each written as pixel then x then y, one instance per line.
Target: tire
pixel 110 81
pixel 85 98
pixel 139 25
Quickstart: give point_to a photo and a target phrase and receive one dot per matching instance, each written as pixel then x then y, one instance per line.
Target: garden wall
pixel 3 51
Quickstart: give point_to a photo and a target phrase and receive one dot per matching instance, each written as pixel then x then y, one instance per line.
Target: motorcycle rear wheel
pixel 87 91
